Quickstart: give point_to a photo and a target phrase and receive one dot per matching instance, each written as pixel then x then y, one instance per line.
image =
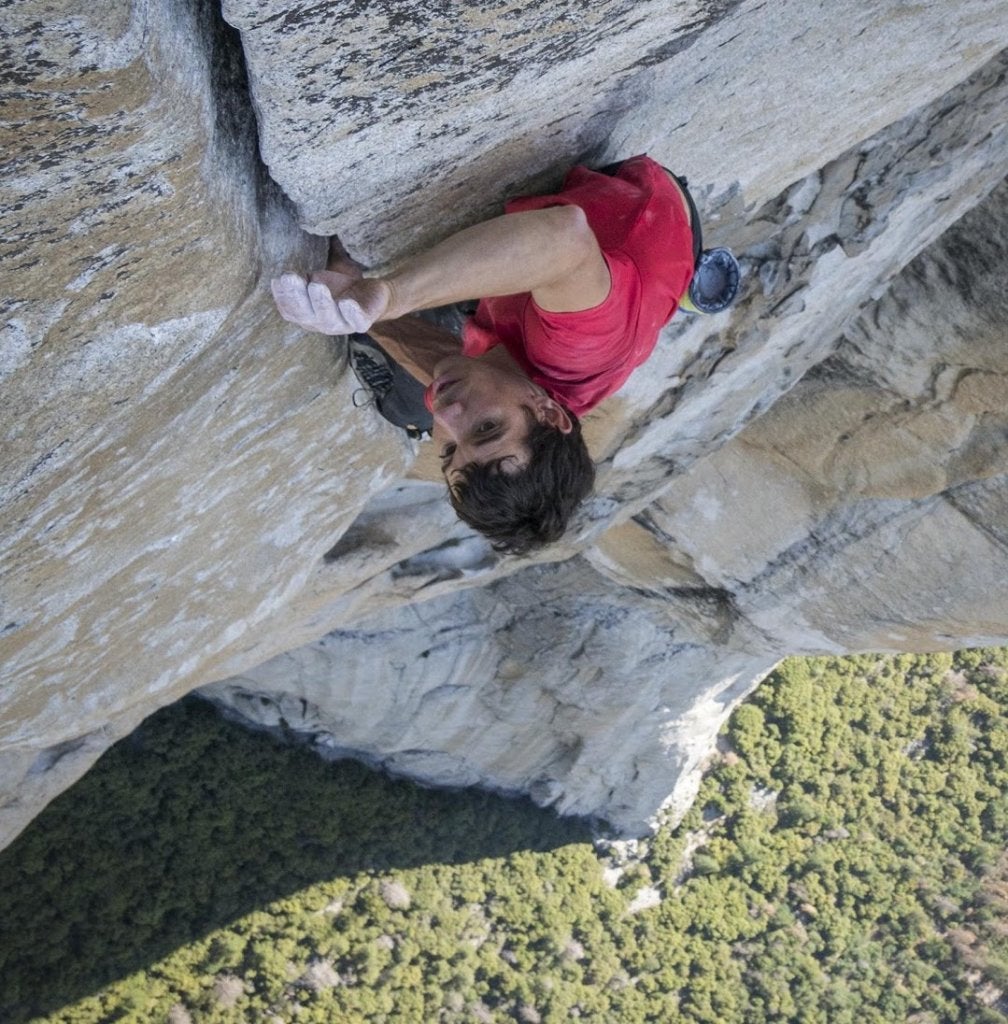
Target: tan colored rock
pixel 191 497
pixel 168 443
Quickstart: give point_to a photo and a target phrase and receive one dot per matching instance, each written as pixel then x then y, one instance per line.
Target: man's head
pixel 514 459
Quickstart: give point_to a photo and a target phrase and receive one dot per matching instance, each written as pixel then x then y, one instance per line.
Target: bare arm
pixel 551 253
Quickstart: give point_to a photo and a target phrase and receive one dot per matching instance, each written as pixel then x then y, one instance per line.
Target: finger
pixel 353 315
pixel 337 281
pixel 326 317
pixel 290 293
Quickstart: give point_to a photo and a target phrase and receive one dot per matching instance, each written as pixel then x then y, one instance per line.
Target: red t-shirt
pixel 644 233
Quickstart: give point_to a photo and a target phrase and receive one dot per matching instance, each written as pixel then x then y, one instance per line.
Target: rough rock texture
pixel 190 495
pixel 360 104
pixel 168 445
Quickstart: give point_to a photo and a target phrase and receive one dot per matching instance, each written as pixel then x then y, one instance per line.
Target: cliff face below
pixel 191 497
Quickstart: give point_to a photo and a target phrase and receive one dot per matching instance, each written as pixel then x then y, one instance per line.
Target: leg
pixel 395 394
pixel 395 390
pixel 417 345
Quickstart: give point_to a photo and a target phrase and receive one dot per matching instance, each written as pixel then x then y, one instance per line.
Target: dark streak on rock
pixel 712 14
pixel 51 756
pixel 42 460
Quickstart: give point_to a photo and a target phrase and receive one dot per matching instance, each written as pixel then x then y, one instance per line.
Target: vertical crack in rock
pixel 235 138
pixel 134 216
pixel 145 196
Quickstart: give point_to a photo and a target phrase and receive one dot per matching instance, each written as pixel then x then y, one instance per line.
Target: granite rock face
pixel 191 497
pixel 394 125
pixel 867 510
pixel 157 503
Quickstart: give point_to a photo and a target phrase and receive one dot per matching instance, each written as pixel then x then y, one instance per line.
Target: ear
pixel 553 414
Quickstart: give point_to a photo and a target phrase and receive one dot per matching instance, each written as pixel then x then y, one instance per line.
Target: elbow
pixel 576 238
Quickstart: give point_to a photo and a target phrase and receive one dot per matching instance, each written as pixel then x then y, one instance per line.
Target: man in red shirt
pixel 574 289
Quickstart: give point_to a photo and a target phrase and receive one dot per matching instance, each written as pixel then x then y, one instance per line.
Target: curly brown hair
pixel 526 510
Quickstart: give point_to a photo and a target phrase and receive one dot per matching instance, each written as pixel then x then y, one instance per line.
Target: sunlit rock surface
pixel 191 497
pixel 175 459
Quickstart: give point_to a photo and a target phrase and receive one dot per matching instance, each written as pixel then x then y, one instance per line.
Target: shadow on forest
pixel 192 822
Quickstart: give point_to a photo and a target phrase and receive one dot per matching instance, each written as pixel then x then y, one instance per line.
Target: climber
pixel 574 289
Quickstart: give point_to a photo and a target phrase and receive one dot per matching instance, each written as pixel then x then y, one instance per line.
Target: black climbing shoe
pixel 394 393
pixel 715 283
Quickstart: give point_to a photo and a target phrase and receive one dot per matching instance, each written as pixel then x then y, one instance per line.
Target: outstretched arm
pixel 551 253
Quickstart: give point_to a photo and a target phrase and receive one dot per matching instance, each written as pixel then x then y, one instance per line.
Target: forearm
pixel 538 251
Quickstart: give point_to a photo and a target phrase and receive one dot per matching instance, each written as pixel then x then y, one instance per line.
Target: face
pixel 482 414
